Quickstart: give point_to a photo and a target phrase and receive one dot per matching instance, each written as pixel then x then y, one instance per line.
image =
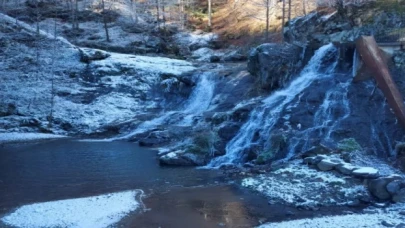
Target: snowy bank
pixel 14 136
pixel 158 65
pixel 376 219
pixel 301 186
pixel 96 211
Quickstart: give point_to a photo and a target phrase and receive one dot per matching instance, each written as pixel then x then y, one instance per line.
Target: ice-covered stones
pixel 366 172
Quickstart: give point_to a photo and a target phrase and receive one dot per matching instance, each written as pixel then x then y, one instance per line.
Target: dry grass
pixel 243 22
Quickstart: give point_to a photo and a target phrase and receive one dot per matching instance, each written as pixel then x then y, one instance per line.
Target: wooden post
pixel 375 62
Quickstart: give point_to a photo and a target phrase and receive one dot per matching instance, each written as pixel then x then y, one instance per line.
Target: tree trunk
pixel 107 35
pixel 304 7
pixel 157 13
pixel 289 11
pixel 76 14
pixel 163 13
pixel 267 19
pixel 209 14
pixel 283 20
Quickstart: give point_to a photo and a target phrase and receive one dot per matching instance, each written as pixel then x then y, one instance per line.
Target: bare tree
pixel 209 13
pixel 283 19
pixel 105 20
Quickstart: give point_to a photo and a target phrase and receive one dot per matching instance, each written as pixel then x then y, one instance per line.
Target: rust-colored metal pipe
pixel 374 60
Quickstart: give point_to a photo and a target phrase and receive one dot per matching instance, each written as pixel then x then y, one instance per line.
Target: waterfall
pixel 263 119
pixel 198 102
pixel 200 98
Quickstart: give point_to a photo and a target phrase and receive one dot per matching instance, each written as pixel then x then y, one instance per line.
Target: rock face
pixel 341 26
pixel 274 64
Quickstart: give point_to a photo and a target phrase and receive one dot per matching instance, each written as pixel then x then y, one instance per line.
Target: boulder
pixel 399 197
pixel 87 55
pixel 234 56
pixel 345 168
pixel 274 64
pixel 327 165
pixel 378 187
pixel 155 138
pixel 181 158
pixel 395 186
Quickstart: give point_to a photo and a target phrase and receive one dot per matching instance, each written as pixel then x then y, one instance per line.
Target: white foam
pixel 96 211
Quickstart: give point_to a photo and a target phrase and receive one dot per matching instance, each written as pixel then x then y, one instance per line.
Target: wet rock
pixel 402 212
pixel 228 131
pixel 401 225
pixel 274 64
pixel 366 172
pixel 326 165
pixel 155 138
pixel 180 158
pixel 378 187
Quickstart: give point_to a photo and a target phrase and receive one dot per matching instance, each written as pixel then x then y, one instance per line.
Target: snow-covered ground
pixel 13 137
pixel 299 185
pixel 97 211
pixel 160 65
pixel 373 219
pixel 87 96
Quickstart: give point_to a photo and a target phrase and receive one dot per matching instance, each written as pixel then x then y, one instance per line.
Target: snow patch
pixel 300 185
pixel 96 211
pixel 344 221
pixel 14 136
pixel 160 65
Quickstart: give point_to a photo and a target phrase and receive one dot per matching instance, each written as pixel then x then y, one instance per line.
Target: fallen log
pixel 374 60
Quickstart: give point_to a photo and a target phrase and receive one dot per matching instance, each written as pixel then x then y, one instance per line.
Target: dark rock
pixel 309 160
pixel 401 225
pixel 316 150
pixel 394 186
pixel 228 131
pixel 215 59
pixel 8 109
pixel 378 187
pixel 180 158
pixel 234 56
pixel 155 138
pixel 274 64
pixel 402 212
pixel 399 197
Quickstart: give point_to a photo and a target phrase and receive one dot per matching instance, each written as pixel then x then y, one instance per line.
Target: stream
pixel 53 170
